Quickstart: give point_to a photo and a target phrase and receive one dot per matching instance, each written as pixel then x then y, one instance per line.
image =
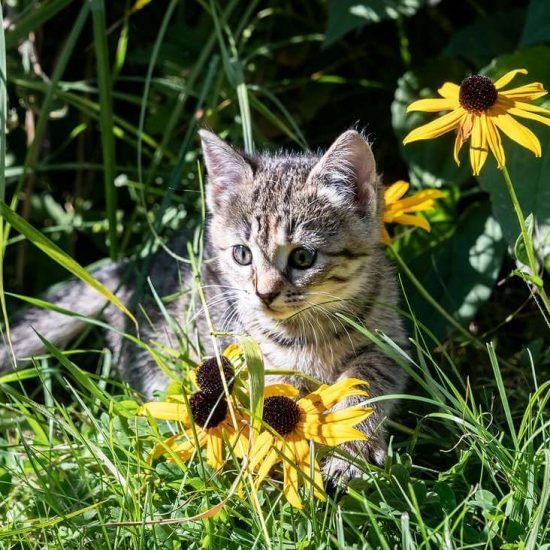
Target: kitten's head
pixel 293 231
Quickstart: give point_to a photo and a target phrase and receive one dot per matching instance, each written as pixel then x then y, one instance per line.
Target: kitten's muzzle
pixel 267 297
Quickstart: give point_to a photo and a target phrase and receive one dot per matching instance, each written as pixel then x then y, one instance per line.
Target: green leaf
pixel 430 161
pixel 49 248
pixel 347 15
pixel 530 175
pixel 486 38
pixel 537 24
pixel 460 271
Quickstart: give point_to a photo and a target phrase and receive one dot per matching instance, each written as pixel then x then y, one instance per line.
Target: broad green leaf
pixel 486 38
pixel 49 248
pixel 537 23
pixel 430 161
pixel 347 15
pixel 460 272
pixel 530 175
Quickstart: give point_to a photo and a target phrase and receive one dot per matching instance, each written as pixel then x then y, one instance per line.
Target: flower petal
pixel 165 411
pixel 459 142
pixel 494 141
pixel 336 427
pixel 518 132
pixel 327 396
pixel 349 415
pixel 478 146
pixel 508 77
pixel 416 221
pixel 449 90
pixel 262 444
pixel 531 108
pixel 433 105
pixel 214 449
pixel 232 352
pixel 187 448
pixel 164 447
pixel 291 481
pixel 436 128
pixel 332 434
pixel 303 460
pixel 281 389
pixel 417 202
pixel 530 116
pixel 534 90
pixel 318 483
pixel 270 459
pixel 395 191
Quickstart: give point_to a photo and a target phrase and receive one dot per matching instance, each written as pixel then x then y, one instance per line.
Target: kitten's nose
pixel 267 297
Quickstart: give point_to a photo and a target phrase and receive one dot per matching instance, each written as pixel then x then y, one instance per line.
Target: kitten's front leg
pixel 383 377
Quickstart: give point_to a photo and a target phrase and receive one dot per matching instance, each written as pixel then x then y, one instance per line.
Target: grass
pixel 469 455
pixel 462 472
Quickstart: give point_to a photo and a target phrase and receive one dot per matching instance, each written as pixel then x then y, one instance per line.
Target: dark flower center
pixel 477 93
pixel 281 413
pixel 209 378
pixel 207 411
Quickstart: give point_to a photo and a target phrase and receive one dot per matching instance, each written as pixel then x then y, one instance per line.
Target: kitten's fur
pixel 270 204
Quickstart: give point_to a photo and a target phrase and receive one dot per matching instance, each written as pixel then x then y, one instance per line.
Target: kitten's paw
pixel 338 471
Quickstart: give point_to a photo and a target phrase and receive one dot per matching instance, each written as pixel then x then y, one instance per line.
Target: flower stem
pixel 527 240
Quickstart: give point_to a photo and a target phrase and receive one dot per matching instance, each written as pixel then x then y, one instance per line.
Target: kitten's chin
pixel 276 312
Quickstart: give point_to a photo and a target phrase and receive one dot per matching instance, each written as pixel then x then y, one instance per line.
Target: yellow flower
pixel 295 423
pixel 213 425
pixel 479 109
pixel 399 210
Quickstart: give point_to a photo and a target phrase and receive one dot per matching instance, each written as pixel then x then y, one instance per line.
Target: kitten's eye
pixel 242 254
pixel 302 258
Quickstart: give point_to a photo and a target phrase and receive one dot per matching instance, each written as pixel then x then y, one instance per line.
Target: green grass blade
pixel 106 119
pixel 51 90
pixel 54 252
pixel 503 395
pixel 235 75
pixel 3 108
pixel 536 534
pixel 34 19
pixel 3 112
pixel 256 377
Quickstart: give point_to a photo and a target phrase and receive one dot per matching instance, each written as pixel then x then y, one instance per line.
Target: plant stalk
pixel 527 241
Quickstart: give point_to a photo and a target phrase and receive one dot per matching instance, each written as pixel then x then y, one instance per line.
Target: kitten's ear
pixel 349 168
pixel 226 167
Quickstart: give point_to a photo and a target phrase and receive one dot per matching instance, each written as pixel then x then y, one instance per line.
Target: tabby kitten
pixel 292 242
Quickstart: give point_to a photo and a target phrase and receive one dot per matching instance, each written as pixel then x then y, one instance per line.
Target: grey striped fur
pixel 270 203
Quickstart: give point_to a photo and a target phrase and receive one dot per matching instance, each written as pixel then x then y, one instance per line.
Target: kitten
pixel 292 240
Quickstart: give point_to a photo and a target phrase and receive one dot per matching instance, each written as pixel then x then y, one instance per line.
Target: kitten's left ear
pixel 226 168
pixel 349 168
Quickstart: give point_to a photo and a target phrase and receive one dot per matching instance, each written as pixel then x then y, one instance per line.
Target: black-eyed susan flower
pixel 404 211
pixel 209 376
pixel 295 423
pixel 213 424
pixel 479 108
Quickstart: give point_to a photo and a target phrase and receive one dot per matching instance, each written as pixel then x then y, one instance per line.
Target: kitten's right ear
pixel 226 167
